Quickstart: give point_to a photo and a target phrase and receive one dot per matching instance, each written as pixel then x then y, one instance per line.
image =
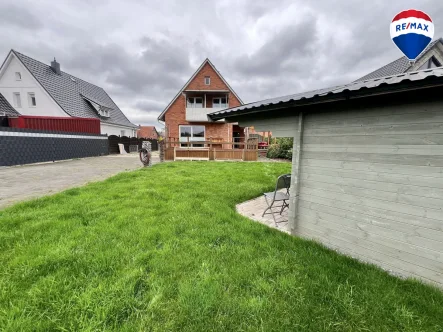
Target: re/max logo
pixel 415 26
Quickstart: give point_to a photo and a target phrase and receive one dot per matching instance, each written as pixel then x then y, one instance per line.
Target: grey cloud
pixel 149 105
pixel 142 52
pixel 284 51
pixel 22 17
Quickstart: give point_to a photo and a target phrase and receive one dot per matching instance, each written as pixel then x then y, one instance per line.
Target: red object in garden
pixel 66 124
pixel 262 145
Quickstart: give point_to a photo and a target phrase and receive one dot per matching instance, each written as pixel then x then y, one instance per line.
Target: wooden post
pixel 175 152
pixel 295 176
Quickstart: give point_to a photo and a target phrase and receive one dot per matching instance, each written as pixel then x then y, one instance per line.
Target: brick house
pixel 206 91
pixel 147 132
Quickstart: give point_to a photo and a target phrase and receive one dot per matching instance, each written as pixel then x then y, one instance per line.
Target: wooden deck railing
pixel 212 149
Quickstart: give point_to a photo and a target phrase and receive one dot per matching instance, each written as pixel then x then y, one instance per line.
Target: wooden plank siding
pixel 370 181
pixel 371 185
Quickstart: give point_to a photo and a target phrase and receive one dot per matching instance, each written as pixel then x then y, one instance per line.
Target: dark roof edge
pixel 365 92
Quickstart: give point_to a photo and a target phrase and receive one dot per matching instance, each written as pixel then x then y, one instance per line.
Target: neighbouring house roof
pixel 398 66
pixel 408 81
pixel 73 94
pixel 161 117
pixel 147 131
pixel 6 108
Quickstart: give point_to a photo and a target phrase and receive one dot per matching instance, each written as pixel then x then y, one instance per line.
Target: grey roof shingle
pixel 6 108
pixel 67 91
pixel 396 67
pixel 354 86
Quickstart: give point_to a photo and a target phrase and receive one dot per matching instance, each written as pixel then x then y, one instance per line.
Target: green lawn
pixel 162 249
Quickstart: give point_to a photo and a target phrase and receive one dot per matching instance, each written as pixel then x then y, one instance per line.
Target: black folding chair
pixel 278 195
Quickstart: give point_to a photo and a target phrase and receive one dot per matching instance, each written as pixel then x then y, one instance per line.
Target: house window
pixel 31 99
pixel 207 80
pixel 195 102
pixel 193 134
pixel 17 100
pixel 18 76
pixel 221 102
pixel 122 133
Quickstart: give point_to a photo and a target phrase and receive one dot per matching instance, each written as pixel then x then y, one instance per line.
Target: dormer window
pixel 207 80
pixel 432 62
pixel 18 76
pixel 104 111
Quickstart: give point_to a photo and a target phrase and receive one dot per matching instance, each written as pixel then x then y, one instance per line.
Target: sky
pixel 142 52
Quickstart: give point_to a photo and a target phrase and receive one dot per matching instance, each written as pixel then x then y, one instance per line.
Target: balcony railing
pixel 199 114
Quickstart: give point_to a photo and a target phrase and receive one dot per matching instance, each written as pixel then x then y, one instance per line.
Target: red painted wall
pixel 73 125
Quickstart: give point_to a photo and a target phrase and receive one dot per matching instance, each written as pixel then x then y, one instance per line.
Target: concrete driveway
pixel 20 183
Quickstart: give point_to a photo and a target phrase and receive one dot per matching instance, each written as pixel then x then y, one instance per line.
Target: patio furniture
pixel 280 194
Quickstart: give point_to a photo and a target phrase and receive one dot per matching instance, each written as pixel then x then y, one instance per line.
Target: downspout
pixel 295 176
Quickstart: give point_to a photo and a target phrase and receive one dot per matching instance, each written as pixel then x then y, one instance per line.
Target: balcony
pixel 200 103
pixel 200 114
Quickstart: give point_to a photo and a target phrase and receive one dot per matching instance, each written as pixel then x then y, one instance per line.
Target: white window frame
pixel 185 139
pixel 219 103
pixel 18 76
pixel 194 103
pixel 30 95
pixel 207 80
pixel 17 101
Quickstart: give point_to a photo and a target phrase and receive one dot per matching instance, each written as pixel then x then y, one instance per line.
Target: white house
pixel 34 88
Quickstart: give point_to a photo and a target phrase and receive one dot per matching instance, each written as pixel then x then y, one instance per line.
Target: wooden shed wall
pixel 371 184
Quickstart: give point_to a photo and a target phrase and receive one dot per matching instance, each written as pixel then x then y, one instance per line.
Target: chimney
pixel 55 66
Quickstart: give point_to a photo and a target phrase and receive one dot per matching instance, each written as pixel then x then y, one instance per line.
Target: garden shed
pixel 367 167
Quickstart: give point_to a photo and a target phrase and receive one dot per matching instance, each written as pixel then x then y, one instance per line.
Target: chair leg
pixel 283 207
pixel 272 212
pixel 268 208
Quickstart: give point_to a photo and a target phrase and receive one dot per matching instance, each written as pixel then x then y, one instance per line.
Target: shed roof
pixel 343 91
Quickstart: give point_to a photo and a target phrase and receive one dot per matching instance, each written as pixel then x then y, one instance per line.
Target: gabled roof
pixel 6 108
pixel 399 66
pixel 161 117
pixel 69 91
pixel 147 131
pixel 402 81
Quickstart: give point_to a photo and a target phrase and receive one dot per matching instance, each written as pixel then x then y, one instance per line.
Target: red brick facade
pixel 147 132
pixel 176 114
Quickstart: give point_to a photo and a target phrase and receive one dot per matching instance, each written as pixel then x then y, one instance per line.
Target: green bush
pixel 281 148
pixel 274 151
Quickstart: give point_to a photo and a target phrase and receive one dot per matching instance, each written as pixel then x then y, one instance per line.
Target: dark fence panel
pixel 114 141
pixel 26 146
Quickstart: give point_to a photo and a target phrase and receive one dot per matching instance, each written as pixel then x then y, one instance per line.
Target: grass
pixel 162 249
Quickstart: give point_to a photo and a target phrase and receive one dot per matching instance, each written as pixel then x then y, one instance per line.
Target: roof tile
pixel 67 91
